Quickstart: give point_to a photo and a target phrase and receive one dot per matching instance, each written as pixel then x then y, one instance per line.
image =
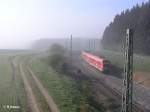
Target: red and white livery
pixel 99 63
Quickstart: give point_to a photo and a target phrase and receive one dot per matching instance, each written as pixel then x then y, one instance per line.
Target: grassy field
pixel 62 88
pixel 12 91
pixel 41 101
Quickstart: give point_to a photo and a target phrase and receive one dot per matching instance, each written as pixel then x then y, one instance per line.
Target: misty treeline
pixel 78 43
pixel 137 18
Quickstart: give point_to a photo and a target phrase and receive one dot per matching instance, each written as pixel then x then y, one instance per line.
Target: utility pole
pixel 93 44
pixel 99 43
pixel 66 44
pixel 128 73
pixel 89 45
pixel 71 48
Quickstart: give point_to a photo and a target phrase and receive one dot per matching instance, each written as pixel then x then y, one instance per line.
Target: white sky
pixel 22 21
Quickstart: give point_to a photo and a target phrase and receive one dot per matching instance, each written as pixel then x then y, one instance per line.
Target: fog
pixel 23 21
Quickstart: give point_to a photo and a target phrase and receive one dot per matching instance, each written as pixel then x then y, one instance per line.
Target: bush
pixel 57 50
pixel 56 56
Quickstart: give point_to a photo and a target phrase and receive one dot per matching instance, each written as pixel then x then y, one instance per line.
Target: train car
pixel 99 63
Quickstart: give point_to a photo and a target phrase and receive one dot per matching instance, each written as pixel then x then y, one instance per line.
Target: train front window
pixel 106 64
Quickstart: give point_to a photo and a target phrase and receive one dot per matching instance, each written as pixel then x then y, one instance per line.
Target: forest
pixel 136 18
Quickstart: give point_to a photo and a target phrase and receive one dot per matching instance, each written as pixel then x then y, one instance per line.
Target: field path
pixel 31 98
pixel 13 66
pixel 48 98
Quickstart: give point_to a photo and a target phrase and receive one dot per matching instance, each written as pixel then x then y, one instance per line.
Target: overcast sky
pixel 22 21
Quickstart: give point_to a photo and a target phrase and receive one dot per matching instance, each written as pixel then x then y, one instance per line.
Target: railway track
pixel 110 92
pixel 136 107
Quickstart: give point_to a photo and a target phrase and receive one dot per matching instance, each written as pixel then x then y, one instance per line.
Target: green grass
pixel 11 91
pixel 61 87
pixel 65 90
pixel 39 97
pixel 69 94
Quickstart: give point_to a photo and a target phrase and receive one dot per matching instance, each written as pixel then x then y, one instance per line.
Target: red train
pixel 99 63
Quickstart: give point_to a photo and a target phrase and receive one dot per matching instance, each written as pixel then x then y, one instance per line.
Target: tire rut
pixel 13 66
pixel 31 97
pixel 53 107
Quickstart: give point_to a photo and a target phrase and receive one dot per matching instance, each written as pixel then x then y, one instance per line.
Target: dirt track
pixel 14 72
pixel 48 98
pixel 31 98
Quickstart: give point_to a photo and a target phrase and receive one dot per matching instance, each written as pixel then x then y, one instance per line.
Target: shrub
pixel 56 56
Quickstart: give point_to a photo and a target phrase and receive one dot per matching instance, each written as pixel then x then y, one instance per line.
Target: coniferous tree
pixel 137 18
